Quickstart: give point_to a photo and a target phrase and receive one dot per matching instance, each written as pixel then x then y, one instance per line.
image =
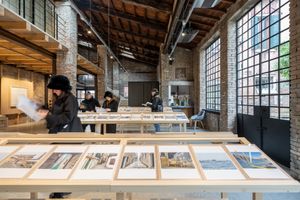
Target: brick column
pixel 165 75
pixel 101 83
pixel 66 62
pixel 228 76
pixel 197 79
pixel 295 87
pixel 116 79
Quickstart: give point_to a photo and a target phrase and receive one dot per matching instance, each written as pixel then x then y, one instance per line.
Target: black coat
pixel 113 105
pixel 63 116
pixel 157 105
pixel 90 104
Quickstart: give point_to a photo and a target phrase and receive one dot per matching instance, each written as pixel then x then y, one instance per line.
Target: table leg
pixel 224 196
pixel 128 196
pixel 33 195
pixel 98 128
pixel 104 128
pixel 184 127
pixel 180 127
pixel 142 128
pixel 257 196
pixel 120 196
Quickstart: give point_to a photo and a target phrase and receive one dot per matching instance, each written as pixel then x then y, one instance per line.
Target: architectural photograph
pixel 150 99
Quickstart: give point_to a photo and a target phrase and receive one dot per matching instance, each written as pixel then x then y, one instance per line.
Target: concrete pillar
pixel 101 78
pixel 295 87
pixel 116 79
pixel 66 62
pixel 228 76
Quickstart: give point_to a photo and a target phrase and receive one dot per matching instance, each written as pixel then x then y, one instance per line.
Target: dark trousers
pixel 91 125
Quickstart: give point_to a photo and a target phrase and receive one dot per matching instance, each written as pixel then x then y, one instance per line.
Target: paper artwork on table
pixel 21 162
pixel 6 150
pixel 99 162
pixel 216 164
pixel 136 116
pixel 170 117
pixel 114 116
pixel 125 117
pixel 60 163
pixel 102 117
pixel 181 117
pixel 176 163
pixel 158 117
pixel 138 163
pixel 255 163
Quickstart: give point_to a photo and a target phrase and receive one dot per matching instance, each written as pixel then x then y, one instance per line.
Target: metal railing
pixel 41 13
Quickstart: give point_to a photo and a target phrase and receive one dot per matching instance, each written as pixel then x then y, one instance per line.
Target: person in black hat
pixel 110 105
pixel 89 104
pixel 63 115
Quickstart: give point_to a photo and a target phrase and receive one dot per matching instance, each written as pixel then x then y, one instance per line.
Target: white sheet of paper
pixel 216 163
pixel 259 172
pixel 102 174
pixel 58 173
pixel 6 150
pixel 16 170
pixel 28 107
pixel 174 172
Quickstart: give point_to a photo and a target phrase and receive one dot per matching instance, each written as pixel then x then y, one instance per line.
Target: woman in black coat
pixel 110 105
pixel 63 115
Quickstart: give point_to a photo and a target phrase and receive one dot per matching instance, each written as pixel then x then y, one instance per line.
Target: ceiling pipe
pixel 181 23
pixel 84 19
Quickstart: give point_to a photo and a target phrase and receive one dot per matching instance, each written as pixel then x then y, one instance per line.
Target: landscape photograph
pixel 138 160
pixel 252 160
pixel 215 161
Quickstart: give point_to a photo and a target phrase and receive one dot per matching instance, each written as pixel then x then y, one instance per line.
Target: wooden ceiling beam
pixel 157 5
pixel 142 61
pixel 134 53
pixel 156 25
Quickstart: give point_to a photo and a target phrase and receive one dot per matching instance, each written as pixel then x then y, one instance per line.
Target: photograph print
pixel 176 160
pixel 99 161
pixel 61 161
pixel 253 160
pixel 138 161
pixel 215 161
pixel 22 160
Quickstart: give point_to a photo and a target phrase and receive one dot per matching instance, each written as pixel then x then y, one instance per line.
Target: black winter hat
pixel 108 94
pixel 59 82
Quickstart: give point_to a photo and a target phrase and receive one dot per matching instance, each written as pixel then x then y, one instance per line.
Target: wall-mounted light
pixel 89 32
pixel 111 57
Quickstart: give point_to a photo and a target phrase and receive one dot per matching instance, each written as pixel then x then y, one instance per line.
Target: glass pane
pixel 285 88
pixel 284 113
pixel 265 100
pixel 274 100
pixel 274 113
pixel 284 100
pixel 284 62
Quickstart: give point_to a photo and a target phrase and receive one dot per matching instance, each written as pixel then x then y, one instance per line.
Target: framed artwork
pixel 59 164
pixel 216 164
pixel 99 162
pixel 6 150
pixel 15 93
pixel 180 73
pixel 21 162
pixel 138 162
pixel 176 163
pixel 255 163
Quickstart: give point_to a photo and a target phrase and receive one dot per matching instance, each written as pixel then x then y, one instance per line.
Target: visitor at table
pixel 110 105
pixel 63 115
pixel 89 104
pixel 156 105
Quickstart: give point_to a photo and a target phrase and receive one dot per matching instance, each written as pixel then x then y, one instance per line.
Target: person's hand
pixel 107 109
pixel 43 113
